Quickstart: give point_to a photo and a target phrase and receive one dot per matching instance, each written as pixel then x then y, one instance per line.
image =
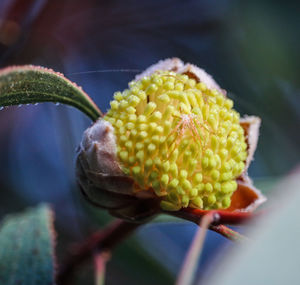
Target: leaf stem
pixel 102 241
pixel 233 218
pixel 228 233
pixel 189 268
pixel 100 260
pixel 225 217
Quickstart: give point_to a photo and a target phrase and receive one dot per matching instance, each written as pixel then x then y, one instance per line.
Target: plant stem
pixel 188 270
pixel 234 218
pixel 105 240
pixel 102 241
pixel 224 217
pixel 228 233
pixel 100 260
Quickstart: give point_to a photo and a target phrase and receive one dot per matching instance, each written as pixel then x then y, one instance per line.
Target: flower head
pixel 172 138
pixel 180 139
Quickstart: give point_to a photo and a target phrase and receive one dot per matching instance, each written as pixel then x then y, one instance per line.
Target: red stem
pixel 189 267
pixel 100 260
pixel 224 217
pixel 107 239
pixel 227 232
pixel 221 217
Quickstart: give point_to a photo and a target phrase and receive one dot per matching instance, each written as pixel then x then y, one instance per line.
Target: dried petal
pixel 246 198
pixel 171 64
pixel 200 75
pixel 97 161
pixel 251 125
pixel 176 65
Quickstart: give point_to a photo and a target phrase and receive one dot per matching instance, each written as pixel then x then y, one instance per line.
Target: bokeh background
pixel 250 47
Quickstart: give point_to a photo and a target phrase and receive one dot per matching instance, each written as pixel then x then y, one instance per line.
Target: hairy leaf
pixel 26 248
pixel 34 84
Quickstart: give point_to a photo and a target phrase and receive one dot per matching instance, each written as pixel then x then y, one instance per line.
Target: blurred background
pixel 251 48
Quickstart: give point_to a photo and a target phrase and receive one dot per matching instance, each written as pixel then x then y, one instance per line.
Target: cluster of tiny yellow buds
pixel 179 139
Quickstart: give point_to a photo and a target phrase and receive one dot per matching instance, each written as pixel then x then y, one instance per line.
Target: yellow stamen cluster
pixel 180 139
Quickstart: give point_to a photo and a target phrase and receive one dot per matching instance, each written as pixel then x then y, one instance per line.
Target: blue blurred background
pixel 250 47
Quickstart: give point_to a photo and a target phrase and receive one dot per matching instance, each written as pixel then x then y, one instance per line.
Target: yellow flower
pixel 172 137
pixel 180 139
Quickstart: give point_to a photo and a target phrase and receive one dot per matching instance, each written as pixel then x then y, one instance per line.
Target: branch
pixel 224 217
pixel 189 267
pixel 221 217
pixel 102 241
pixel 100 260
pixel 105 240
pixel 228 233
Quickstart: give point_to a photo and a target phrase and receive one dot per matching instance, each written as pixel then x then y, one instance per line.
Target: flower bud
pixel 101 179
pixel 172 139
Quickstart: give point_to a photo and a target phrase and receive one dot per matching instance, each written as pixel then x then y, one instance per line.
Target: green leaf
pixel 26 248
pixel 33 84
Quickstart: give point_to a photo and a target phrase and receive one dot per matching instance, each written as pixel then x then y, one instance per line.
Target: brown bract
pixel 105 185
pixel 102 181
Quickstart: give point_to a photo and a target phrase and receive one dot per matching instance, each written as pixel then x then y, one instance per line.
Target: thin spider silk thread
pixel 106 71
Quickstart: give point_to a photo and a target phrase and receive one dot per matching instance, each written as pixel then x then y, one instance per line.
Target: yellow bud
pixel 198 178
pixel 211 199
pixel 164 180
pixel 198 202
pixel 173 184
pixel 180 138
pixel 149 108
pixel 183 174
pixel 173 169
pixel 114 105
